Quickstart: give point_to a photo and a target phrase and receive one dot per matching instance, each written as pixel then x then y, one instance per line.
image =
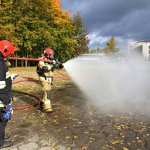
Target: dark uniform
pixel 5 95
pixel 6 50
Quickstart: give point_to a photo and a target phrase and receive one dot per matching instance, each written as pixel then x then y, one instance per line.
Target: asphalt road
pixel 76 124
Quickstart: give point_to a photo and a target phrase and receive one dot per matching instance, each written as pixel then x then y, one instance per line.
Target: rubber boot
pixel 47 106
pixel 6 144
pixel 41 105
pixel 7 136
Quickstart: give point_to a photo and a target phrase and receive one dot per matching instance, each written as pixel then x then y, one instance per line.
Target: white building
pixel 141 47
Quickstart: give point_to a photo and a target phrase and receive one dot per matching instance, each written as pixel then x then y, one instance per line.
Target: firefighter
pixel 6 50
pixel 45 72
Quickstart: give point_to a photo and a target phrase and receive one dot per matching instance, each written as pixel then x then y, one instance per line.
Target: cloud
pixel 96 40
pixel 127 19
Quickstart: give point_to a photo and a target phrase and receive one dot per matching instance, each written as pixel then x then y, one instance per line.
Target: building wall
pixel 144 46
pixel 146 50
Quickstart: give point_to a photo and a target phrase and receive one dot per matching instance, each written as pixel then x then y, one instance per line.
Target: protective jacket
pixel 45 72
pixel 45 69
pixel 5 82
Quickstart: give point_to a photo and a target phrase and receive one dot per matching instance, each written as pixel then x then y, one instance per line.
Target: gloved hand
pixel 54 61
pixel 9 108
pixel 61 65
pixel 8 64
pixel 14 76
pixel 6 112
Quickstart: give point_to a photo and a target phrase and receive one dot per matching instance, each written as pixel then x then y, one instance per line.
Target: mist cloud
pixel 112 84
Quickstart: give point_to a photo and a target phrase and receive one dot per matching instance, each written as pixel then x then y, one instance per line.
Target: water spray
pixel 112 84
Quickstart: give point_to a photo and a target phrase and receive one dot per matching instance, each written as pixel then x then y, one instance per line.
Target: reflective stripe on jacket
pixel 5 83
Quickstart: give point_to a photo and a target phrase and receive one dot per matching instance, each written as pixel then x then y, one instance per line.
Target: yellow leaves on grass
pixel 74 137
pixel 122 126
pixel 67 137
pixel 116 142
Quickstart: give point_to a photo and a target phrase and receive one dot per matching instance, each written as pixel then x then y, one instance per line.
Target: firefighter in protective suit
pixel 45 72
pixel 6 50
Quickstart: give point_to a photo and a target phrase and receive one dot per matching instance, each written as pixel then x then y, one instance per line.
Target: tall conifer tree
pixel 81 35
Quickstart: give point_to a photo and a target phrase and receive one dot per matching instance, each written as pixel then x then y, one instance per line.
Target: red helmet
pixel 49 53
pixel 6 48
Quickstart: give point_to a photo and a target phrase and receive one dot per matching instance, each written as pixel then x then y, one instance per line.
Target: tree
pixel 80 35
pixel 111 46
pixel 33 25
pixel 6 26
pixel 62 30
pixel 93 51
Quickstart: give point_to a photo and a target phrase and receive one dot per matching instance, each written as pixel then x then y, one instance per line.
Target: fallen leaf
pixel 67 137
pixel 75 137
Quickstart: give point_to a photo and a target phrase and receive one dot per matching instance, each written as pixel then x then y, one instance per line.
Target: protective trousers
pixel 2 129
pixel 46 87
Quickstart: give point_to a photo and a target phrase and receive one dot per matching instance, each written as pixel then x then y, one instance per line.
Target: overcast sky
pixel 124 19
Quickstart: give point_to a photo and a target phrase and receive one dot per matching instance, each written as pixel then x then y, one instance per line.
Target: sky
pixel 125 19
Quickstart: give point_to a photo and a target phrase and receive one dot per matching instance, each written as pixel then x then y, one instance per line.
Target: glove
pixel 6 116
pixel 8 64
pixel 6 113
pixel 61 66
pixel 9 108
pixel 14 76
pixel 54 61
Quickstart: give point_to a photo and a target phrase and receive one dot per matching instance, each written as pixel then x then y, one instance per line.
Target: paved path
pixel 76 125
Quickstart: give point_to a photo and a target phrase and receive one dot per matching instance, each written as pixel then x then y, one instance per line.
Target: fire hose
pixel 31 59
pixel 32 80
pixel 31 95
